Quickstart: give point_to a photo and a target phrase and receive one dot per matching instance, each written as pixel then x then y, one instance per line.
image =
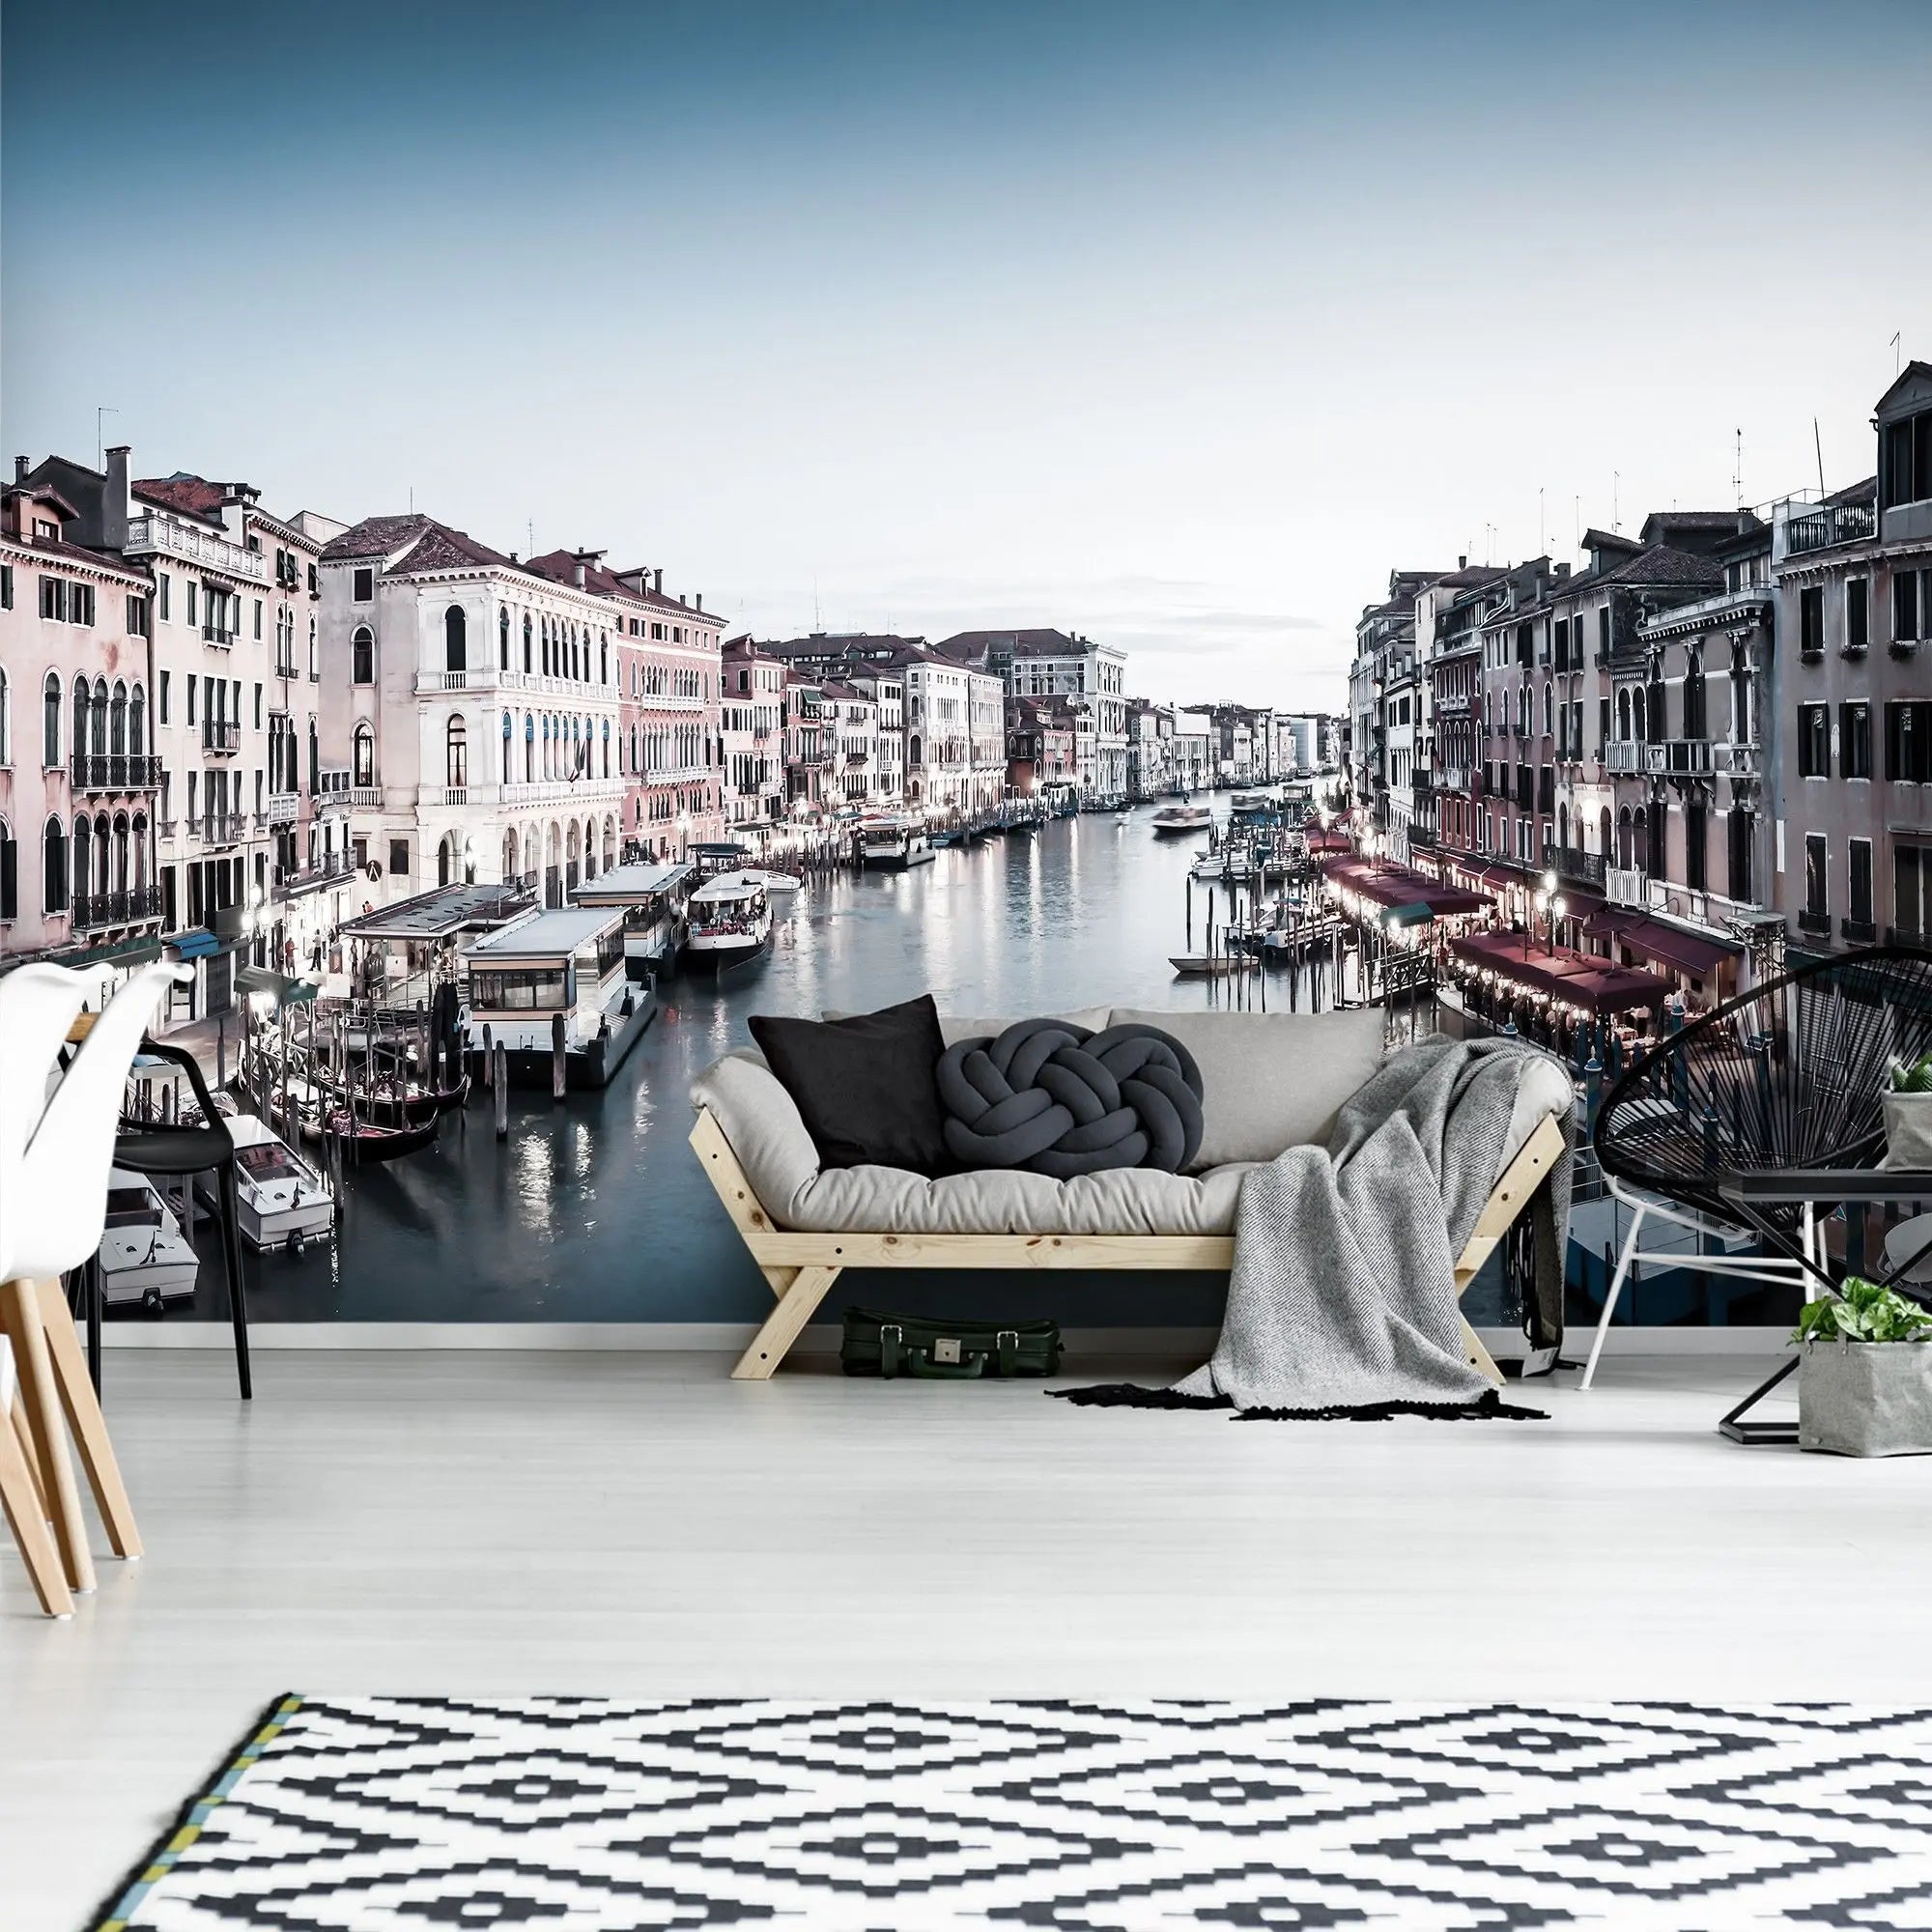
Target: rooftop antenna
pixel 817 619
pixel 1738 470
pixel 105 410
pixel 1616 520
pixel 1817 444
pixel 1577 503
pixel 530 536
pixel 1897 352
pixel 1542 526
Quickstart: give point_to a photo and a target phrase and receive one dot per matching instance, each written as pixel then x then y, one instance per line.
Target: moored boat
pixel 730 922
pixel 283 1200
pixel 144 1260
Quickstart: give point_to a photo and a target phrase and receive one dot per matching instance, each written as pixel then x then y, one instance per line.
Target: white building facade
pixel 471 712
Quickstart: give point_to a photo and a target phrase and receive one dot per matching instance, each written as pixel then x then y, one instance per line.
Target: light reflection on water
pixel 594 1208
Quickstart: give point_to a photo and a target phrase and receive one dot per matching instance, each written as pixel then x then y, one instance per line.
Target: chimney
pixel 117 503
pixel 701 600
pixel 19 470
pixel 680 596
pixel 658 582
pixel 577 572
pixel 1462 563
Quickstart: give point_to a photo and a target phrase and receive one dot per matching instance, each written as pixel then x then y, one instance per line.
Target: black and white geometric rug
pixel 400 1814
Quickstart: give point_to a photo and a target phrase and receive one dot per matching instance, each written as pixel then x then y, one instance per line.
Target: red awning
pixel 1670 946
pixel 1607 921
pixel 1564 974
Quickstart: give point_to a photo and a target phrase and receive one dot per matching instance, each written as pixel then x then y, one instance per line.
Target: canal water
pixel 594 1210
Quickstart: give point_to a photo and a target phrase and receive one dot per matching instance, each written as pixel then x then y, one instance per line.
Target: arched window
pixel 456 752
pixel 455 650
pixel 50 727
pixel 101 710
pixel 603 657
pixel 117 721
pixel 140 837
pixel 362 655
pixel 137 723
pixel 1693 696
pixel 503 638
pixel 507 766
pixel 1623 714
pixel 363 771
pixel 1637 713
pixel 83 857
pixel 120 868
pixel 529 748
pixel 81 708
pixel 1603 832
pixel 607 747
pixel 53 863
pixel 526 643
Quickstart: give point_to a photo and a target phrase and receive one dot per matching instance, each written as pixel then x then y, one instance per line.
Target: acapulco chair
pixel 1766 1115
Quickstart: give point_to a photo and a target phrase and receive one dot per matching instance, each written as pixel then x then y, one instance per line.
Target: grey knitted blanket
pixel 1342 1301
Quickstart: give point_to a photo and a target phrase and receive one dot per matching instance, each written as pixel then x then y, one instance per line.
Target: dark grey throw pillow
pixel 864 1086
pixel 1057 1098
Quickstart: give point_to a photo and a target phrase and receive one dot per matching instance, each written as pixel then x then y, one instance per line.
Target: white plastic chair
pixel 56 1151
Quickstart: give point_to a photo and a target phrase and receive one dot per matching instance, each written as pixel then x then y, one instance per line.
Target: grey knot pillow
pixel 1060 1100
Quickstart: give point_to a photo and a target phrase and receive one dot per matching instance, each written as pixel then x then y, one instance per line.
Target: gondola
pixel 360 1141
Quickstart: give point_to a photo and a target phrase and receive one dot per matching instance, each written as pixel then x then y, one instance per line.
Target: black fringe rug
pixel 1488 1407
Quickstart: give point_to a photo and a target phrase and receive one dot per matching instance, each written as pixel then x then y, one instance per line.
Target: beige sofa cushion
pixel 1270 1080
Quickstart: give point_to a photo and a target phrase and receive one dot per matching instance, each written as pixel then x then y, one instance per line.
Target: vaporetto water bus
pixel 564 967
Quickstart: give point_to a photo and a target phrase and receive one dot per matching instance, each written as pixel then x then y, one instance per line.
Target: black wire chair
pixel 1768 1114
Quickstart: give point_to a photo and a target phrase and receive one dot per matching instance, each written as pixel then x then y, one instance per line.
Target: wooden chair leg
pixel 1480 1358
pixel 24 1435
pixel 26 1330
pixel 796 1305
pixel 88 1424
pixel 25 1513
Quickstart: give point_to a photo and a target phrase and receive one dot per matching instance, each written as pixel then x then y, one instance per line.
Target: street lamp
pixel 1557 908
pixel 1538 901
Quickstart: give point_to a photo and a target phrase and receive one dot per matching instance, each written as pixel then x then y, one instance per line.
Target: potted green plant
pixel 1865 1386
pixel 1908 1115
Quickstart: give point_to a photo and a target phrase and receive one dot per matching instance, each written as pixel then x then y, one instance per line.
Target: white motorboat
pixel 1171 820
pixel 731 920
pixel 284 1200
pixel 144 1260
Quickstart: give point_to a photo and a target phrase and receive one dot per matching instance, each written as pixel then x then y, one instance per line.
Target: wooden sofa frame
pixel 801 1267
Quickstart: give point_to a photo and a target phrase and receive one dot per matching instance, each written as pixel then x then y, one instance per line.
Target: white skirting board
pixel 822 1338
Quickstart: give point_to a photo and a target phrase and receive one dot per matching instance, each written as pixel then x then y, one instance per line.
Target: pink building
pixel 667 673
pixel 752 728
pixel 78 775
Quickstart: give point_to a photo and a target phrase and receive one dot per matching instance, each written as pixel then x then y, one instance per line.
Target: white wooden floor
pixel 639 1524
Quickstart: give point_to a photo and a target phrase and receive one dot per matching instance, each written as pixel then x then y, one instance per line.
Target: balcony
pixel 1739 762
pixel 214 633
pixel 94 910
pixel 115 771
pixel 1626 885
pixel 1827 525
pixel 1678 757
pixel 283 808
pixel 158 536
pixel 1625 756
pixel 293 885
pixel 1568 862
pixel 363 795
pixel 222 828
pixel 1455 707
pixel 220 735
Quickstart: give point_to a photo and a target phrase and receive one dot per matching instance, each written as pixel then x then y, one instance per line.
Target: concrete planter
pixel 1908 1129
pixel 1865 1398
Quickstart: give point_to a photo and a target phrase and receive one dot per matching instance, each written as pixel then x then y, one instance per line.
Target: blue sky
pixel 1180 325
